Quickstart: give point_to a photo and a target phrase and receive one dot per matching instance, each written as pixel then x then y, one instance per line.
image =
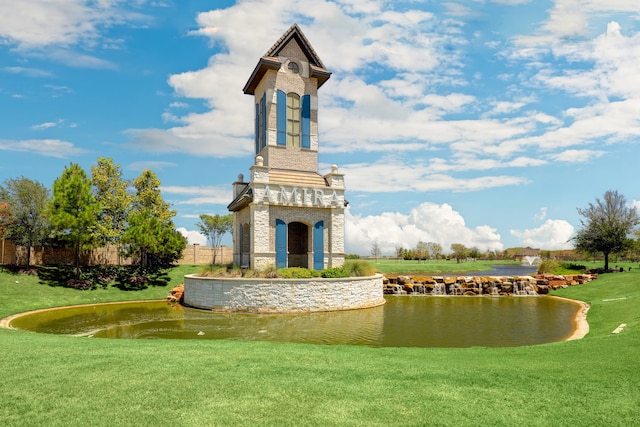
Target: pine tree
pixel 150 233
pixel 74 211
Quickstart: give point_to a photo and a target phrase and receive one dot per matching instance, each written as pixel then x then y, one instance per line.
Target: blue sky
pixel 485 123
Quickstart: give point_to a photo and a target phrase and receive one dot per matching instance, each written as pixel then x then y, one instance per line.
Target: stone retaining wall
pixel 485 285
pixel 282 295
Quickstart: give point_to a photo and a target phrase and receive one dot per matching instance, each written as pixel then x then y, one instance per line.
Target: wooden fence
pixel 17 255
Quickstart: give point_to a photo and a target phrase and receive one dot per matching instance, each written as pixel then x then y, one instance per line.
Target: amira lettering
pixel 296 196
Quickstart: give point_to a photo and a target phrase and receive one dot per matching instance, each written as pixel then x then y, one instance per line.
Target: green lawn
pixel 67 381
pixel 433 266
pixel 399 266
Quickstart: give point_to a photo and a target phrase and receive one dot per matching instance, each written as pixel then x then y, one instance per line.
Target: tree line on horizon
pixel 84 212
pixel 608 227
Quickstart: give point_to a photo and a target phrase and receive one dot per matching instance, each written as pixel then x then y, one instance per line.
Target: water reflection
pixel 404 321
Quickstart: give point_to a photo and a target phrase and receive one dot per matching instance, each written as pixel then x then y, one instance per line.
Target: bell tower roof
pixel 271 60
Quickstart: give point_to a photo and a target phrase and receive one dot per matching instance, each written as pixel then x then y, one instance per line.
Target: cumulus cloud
pixel 66 30
pixel 419 103
pixel 193 236
pixel 552 235
pixel 428 222
pixel 61 22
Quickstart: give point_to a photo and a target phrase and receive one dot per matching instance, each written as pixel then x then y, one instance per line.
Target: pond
pixel 404 321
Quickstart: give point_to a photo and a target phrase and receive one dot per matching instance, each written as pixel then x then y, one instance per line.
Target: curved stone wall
pixel 282 295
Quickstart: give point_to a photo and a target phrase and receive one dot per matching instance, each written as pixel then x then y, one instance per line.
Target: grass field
pixel 444 266
pixel 50 380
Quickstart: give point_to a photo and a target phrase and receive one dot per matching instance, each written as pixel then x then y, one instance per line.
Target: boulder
pixel 176 294
pixel 542 289
pixel 403 280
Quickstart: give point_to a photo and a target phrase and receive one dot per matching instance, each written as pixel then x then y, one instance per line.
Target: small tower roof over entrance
pixel 271 61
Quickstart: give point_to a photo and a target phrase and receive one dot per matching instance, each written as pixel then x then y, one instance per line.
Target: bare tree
pixel 214 227
pixel 375 250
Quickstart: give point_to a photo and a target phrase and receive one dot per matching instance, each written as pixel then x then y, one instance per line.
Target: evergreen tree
pixel 111 191
pixel 148 196
pixel 25 221
pixel 151 235
pixel 74 211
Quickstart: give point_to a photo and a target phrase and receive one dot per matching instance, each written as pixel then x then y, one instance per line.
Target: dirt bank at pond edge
pixel 581 326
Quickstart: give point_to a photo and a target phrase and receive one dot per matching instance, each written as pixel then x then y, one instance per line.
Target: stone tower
pixel 288 215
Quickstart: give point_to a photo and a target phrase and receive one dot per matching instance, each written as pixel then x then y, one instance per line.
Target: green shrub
pixel 211 270
pixel 217 270
pixel 334 273
pixel 297 273
pixel 358 268
pixel 548 266
pixel 269 272
pixel 572 266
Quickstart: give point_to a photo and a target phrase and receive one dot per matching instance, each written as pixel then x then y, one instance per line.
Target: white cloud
pixel 193 236
pixel 541 216
pixel 552 235
pixel 577 156
pixel 427 222
pixel 151 164
pixel 203 195
pixel 391 175
pixel 43 147
pixel 47 125
pixel 61 22
pixel 30 72
pixel 409 110
pixel 66 30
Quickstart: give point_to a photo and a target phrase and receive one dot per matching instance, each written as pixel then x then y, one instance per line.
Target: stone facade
pixel 288 215
pixel 282 295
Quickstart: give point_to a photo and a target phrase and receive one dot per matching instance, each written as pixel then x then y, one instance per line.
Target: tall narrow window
pixel 257 130
pixel 293 120
pixel 263 122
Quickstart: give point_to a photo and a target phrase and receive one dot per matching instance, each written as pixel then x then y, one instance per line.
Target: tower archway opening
pixel 298 244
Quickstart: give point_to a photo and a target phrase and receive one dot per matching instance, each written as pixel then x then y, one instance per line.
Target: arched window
pixel 293 67
pixel 293 120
